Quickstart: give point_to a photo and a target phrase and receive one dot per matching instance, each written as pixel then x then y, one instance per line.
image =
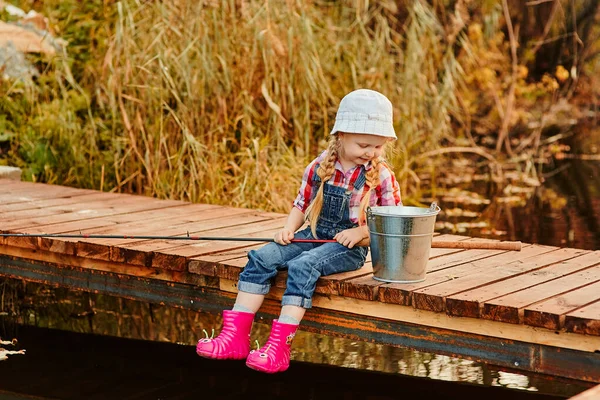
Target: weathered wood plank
pixel 451 267
pixel 550 314
pixel 96 200
pixel 178 257
pixel 7 184
pixel 509 308
pixel 433 297
pixel 585 320
pixel 80 216
pixel 180 225
pixel 94 225
pixel 207 264
pixel 27 191
pixel 62 262
pixel 336 281
pixel 41 204
pixel 111 223
pixel 470 302
pixel 80 212
pixel 142 253
pixel 363 288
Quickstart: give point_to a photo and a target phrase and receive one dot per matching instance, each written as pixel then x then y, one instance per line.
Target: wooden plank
pixel 102 201
pixel 81 217
pixel 233 259
pixel 62 262
pixel 470 303
pixel 447 269
pixel 27 191
pixel 585 320
pixel 550 314
pixel 510 307
pixel 9 183
pixel 102 249
pixel 178 257
pixel 363 288
pixel 111 223
pixel 144 252
pixel 433 297
pixel 332 284
pixel 41 204
pixel 79 212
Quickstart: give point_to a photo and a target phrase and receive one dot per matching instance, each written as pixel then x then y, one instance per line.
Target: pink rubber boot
pixel 233 343
pixel 274 356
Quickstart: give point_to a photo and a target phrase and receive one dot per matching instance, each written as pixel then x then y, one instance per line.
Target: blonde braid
pixel 372 180
pixel 325 172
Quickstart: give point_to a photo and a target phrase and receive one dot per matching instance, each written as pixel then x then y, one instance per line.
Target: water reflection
pixel 556 202
pixel 58 308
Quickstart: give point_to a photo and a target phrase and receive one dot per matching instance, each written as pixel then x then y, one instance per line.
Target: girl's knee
pixel 262 259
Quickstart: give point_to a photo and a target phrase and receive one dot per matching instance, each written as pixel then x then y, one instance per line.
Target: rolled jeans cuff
pixel 253 288
pixel 296 301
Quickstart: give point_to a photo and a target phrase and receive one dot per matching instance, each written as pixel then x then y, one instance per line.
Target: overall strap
pixel 360 181
pixel 316 178
pixel 358 184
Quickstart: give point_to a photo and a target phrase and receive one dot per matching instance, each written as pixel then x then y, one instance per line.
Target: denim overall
pixel 306 262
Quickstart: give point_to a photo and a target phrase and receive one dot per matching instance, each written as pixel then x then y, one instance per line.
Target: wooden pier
pixel 536 310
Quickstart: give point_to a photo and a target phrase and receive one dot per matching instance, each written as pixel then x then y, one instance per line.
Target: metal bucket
pixel 401 241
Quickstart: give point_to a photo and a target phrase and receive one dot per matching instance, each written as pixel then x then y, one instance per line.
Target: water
pixel 563 211
pixel 82 345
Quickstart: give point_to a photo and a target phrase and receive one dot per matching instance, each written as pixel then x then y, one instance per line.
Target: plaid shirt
pixel 386 194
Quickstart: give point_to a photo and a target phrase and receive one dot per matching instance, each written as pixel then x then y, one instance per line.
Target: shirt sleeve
pixel 307 190
pixel 390 189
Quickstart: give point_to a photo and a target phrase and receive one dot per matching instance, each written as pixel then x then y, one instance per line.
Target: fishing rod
pixel 451 244
pixel 152 237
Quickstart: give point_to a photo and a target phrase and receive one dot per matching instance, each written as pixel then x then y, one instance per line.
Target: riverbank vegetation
pixel 226 101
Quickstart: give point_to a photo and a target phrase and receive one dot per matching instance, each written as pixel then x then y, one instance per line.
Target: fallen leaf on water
pixel 5 353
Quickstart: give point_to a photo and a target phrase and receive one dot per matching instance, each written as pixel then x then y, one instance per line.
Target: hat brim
pixel 367 127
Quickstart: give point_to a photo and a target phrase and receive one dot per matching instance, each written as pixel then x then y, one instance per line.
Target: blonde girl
pixel 336 189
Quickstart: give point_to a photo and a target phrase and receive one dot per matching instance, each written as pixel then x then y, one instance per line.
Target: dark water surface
pixel 562 210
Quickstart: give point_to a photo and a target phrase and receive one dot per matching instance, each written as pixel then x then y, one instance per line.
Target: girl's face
pixel 358 148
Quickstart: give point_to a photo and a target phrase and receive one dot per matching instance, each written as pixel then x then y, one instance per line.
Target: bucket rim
pixel 433 210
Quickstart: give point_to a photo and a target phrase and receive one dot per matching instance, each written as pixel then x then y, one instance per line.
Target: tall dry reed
pixel 226 103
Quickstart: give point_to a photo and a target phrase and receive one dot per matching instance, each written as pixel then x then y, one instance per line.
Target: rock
pixel 10 173
pixel 26 39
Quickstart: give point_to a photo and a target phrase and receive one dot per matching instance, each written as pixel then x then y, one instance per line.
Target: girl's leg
pixel 234 340
pixel 248 302
pixel 291 314
pixel 303 273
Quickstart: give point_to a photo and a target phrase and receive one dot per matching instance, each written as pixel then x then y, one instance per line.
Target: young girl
pixel 338 185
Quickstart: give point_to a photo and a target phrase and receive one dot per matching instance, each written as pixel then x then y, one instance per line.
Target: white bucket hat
pixel 365 111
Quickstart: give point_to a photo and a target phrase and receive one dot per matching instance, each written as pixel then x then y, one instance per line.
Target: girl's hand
pixel 284 236
pixel 350 237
